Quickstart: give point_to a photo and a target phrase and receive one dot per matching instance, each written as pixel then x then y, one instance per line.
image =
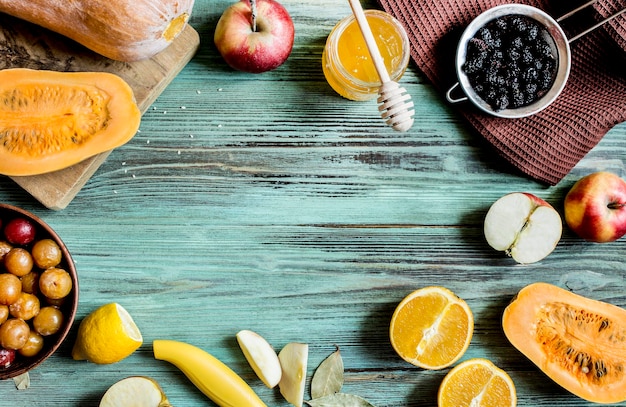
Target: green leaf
pixel 339 400
pixel 328 377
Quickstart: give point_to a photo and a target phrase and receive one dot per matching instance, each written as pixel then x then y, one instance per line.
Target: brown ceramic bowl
pixel 23 364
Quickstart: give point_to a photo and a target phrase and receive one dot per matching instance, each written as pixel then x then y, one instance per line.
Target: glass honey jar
pixel 346 61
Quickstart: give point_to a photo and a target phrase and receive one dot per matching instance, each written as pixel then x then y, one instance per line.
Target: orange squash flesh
pixel 580 343
pixel 53 120
pixel 124 30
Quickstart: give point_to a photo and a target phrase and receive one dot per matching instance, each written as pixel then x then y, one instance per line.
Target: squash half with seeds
pixel 578 342
pixel 52 120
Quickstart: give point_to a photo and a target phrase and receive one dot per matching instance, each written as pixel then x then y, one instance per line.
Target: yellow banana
pixel 216 380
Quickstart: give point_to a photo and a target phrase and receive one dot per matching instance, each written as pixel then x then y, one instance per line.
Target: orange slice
pixel 477 382
pixel 431 328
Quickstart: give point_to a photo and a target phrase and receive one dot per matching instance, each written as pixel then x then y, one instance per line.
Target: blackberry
pixel 530 98
pixel 519 24
pixel 532 33
pixel 501 24
pixel 544 49
pixel 517 98
pixel 531 87
pixel 497 42
pixel 501 102
pixel 513 54
pixel 512 73
pixel 497 58
pixel 528 58
pixel 473 66
pixel 517 43
pixel 546 78
pixel 530 75
pixel 485 34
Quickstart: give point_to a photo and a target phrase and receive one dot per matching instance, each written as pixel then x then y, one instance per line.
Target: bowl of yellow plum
pixel 38 291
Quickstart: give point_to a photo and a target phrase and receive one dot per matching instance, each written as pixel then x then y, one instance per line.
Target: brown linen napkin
pixel 617 27
pixel 547 145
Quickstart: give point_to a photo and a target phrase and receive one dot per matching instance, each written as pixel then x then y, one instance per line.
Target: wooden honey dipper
pixel 394 102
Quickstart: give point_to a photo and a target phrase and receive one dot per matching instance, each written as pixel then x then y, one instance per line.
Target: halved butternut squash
pixel 53 120
pixel 580 343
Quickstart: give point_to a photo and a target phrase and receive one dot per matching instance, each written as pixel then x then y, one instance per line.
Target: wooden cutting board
pixel 24 45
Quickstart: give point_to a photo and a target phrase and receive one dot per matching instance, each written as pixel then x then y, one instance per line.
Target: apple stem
pixel 253 7
pixel 616 205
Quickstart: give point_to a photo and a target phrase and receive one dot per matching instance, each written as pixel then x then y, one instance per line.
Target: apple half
pixel 140 391
pixel 524 226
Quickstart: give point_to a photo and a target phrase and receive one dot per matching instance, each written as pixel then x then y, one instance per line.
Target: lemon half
pixel 107 335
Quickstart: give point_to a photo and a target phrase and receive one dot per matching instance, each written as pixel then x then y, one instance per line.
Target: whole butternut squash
pixel 52 120
pixel 124 30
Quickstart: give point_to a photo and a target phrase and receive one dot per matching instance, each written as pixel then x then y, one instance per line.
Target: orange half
pixel 431 328
pixel 477 382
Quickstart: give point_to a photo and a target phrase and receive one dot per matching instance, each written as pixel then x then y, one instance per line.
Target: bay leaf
pixel 328 377
pixel 339 400
pixel 22 382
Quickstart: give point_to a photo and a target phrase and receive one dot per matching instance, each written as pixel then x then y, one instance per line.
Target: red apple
pixel 524 226
pixel 255 43
pixel 595 207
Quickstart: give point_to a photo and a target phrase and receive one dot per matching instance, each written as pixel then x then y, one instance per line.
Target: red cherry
pixel 20 231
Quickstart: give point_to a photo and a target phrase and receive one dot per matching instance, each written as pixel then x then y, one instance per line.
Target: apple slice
pixel 524 226
pixel 293 361
pixel 261 357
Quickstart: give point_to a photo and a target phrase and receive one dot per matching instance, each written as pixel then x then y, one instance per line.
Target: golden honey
pixel 347 63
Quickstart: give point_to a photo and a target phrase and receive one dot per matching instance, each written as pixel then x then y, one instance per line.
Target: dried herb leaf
pixel 22 382
pixel 328 377
pixel 339 400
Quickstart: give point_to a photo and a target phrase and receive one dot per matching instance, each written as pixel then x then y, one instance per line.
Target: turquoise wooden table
pixel 267 202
